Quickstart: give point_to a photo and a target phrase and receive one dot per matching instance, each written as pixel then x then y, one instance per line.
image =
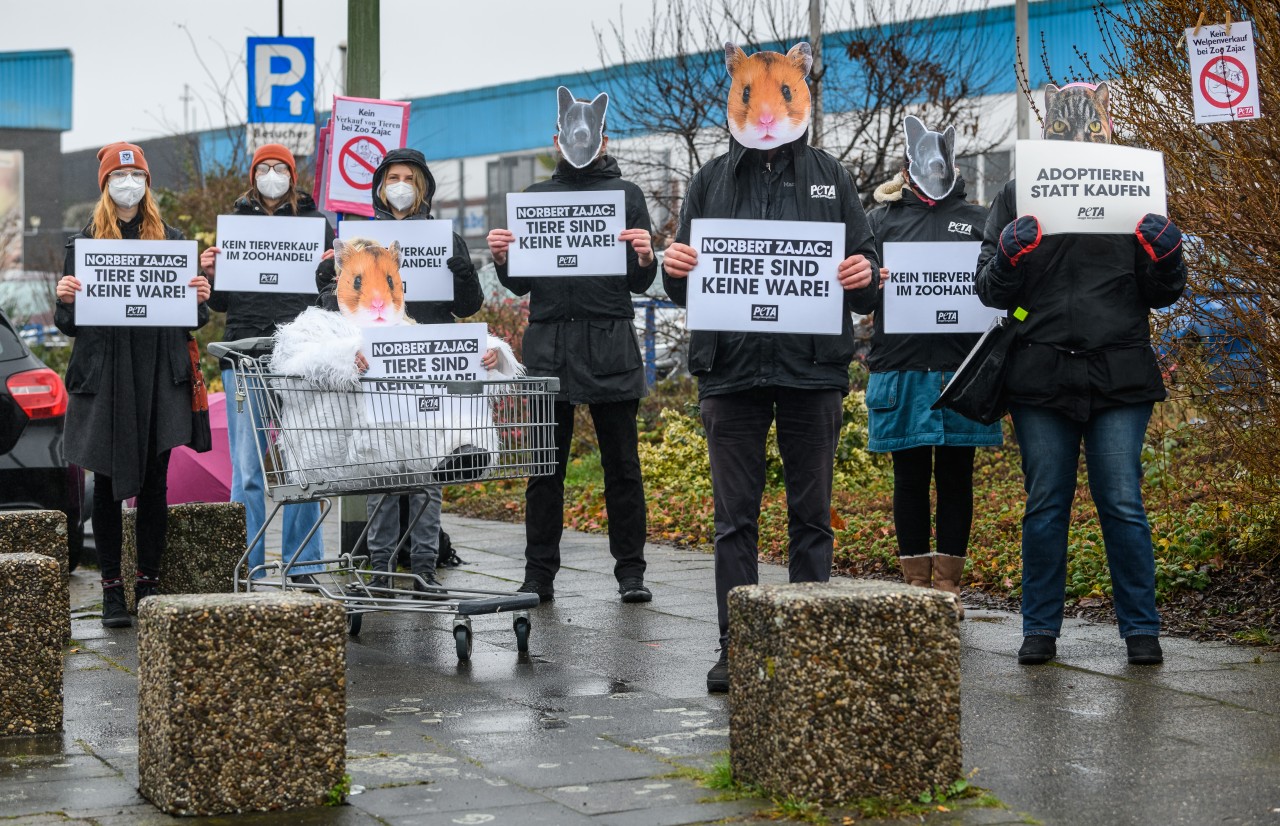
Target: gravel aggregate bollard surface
pixel 242 701
pixel 204 541
pixel 844 690
pixel 40 532
pixel 33 614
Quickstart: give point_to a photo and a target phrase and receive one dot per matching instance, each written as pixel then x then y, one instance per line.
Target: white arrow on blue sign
pixel 281 94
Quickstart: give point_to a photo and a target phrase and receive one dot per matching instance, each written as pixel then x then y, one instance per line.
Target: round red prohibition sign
pixel 1230 75
pixel 360 153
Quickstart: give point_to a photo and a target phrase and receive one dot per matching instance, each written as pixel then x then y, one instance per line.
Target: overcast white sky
pixel 133 59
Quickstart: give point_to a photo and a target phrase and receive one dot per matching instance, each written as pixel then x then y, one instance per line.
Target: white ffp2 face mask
pixel 273 184
pixel 127 192
pixel 401 195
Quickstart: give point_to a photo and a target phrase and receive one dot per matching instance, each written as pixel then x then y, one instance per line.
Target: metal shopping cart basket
pixel 388 438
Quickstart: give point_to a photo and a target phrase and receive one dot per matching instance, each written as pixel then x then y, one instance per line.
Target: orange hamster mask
pixel 769 102
pixel 369 288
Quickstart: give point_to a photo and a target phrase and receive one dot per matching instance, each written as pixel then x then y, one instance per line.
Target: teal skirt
pixel 898 414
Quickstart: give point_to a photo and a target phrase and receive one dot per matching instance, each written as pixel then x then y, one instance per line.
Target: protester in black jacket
pixel 129 389
pixel 1083 370
pixel 581 330
pixel 925 203
pixel 272 192
pixel 747 380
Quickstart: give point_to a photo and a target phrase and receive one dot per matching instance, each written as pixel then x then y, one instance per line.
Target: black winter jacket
pixel 910 219
pixel 250 315
pixel 582 328
pixel 1086 344
pixel 741 184
pixel 467 296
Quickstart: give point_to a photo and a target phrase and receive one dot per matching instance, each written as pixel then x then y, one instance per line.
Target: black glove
pixel 1019 237
pixel 461 267
pixel 1161 239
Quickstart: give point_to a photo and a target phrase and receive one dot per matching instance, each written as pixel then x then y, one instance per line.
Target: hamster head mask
pixel 369 289
pixel 931 158
pixel 581 127
pixel 1078 112
pixel 769 102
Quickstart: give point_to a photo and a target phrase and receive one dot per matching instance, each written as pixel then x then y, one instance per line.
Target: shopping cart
pixel 387 437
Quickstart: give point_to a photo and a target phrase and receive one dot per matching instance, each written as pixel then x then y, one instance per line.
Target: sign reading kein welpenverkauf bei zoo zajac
pixel 135 283
pixel 1088 187
pixel 766 276
pixel 566 233
pixel 1224 73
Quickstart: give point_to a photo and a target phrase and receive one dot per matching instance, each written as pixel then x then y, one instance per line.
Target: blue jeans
pixel 248 486
pixel 1050 444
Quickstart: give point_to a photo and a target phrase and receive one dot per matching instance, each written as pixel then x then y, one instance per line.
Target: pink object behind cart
pixel 203 477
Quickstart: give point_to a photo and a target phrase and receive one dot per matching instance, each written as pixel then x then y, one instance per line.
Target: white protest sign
pixel 269 254
pixel 1224 73
pixel 567 233
pixel 406 361
pixel 425 246
pixel 930 288
pixel 136 283
pixel 766 276
pixel 361 132
pixel 1088 187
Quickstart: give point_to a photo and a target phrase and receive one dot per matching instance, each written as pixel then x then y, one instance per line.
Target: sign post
pixel 282 84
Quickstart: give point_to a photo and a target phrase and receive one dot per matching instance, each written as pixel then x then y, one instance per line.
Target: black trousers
pixel 737 425
pixel 615 424
pixel 151 524
pixel 952 469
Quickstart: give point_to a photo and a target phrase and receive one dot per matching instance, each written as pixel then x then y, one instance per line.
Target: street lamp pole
pixel 1022 27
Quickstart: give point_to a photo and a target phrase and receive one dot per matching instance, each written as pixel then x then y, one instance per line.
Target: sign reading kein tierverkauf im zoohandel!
pixel 930 288
pixel 766 276
pixel 566 233
pixel 1088 187
pixel 135 283
pixel 425 249
pixel 262 254
pixel 406 361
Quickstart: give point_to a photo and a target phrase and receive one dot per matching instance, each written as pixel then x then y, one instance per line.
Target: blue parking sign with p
pixel 281 74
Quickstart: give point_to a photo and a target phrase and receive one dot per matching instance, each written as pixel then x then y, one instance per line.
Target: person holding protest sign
pixel 581 330
pixel 749 380
pixel 925 203
pixel 403 189
pixel 1083 370
pixel 272 191
pixel 130 388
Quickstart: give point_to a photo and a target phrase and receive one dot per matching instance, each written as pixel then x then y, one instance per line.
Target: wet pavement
pixel 601 724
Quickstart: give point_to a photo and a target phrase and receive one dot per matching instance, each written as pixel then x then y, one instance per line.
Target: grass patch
pixel 1255 636
pixel 337 795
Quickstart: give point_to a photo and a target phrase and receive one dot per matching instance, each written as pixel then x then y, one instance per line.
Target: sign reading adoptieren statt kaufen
pixel 262 254
pixel 567 233
pixel 1088 187
pixel 766 276
pixel 406 361
pixel 361 132
pixel 135 283
pixel 425 249
pixel 930 288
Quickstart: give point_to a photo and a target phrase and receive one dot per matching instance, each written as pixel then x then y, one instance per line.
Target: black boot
pixel 718 676
pixel 143 587
pixel 114 613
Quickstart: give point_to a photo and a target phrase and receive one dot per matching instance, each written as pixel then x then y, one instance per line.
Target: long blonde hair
pixel 106 215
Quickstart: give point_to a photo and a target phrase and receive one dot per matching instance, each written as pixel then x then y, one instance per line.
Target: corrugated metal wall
pixel 35 90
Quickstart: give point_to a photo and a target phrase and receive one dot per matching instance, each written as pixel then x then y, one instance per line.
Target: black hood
pixel 381 211
pixel 601 168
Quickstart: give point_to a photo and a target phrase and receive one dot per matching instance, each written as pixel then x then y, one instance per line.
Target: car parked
pixel 34 472
pixel 27 298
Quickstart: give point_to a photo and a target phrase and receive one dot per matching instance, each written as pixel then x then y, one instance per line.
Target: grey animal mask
pixel 581 127
pixel 931 158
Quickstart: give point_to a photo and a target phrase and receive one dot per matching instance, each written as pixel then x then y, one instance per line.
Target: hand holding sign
pixel 1019 237
pixel 500 241
pixel 641 241
pixel 679 260
pixel 1161 239
pixel 854 272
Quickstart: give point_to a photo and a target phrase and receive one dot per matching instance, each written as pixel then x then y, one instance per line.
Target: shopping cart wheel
pixel 354 621
pixel 522 634
pixel 462 639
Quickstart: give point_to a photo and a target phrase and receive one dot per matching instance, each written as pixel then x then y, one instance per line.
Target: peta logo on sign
pixel 1244 111
pixel 563 261
pixel 135 311
pixel 960 227
pixel 126 157
pixel 822 191
pixel 947 317
pixel 764 312
pixel 1091 213
pixel 272 278
pixel 428 404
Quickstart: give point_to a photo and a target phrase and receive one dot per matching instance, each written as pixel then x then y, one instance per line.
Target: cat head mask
pixel 1078 112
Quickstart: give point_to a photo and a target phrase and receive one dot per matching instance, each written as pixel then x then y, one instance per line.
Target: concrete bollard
pixel 32 618
pixel 204 541
pixel 241 701
pixel 41 532
pixel 844 690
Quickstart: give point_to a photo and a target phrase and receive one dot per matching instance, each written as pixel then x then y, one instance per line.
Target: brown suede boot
pixel 947 572
pixel 917 570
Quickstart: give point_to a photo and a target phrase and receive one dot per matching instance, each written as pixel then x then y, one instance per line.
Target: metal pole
pixel 1022 30
pixel 279 18
pixel 815 73
pixel 363 64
